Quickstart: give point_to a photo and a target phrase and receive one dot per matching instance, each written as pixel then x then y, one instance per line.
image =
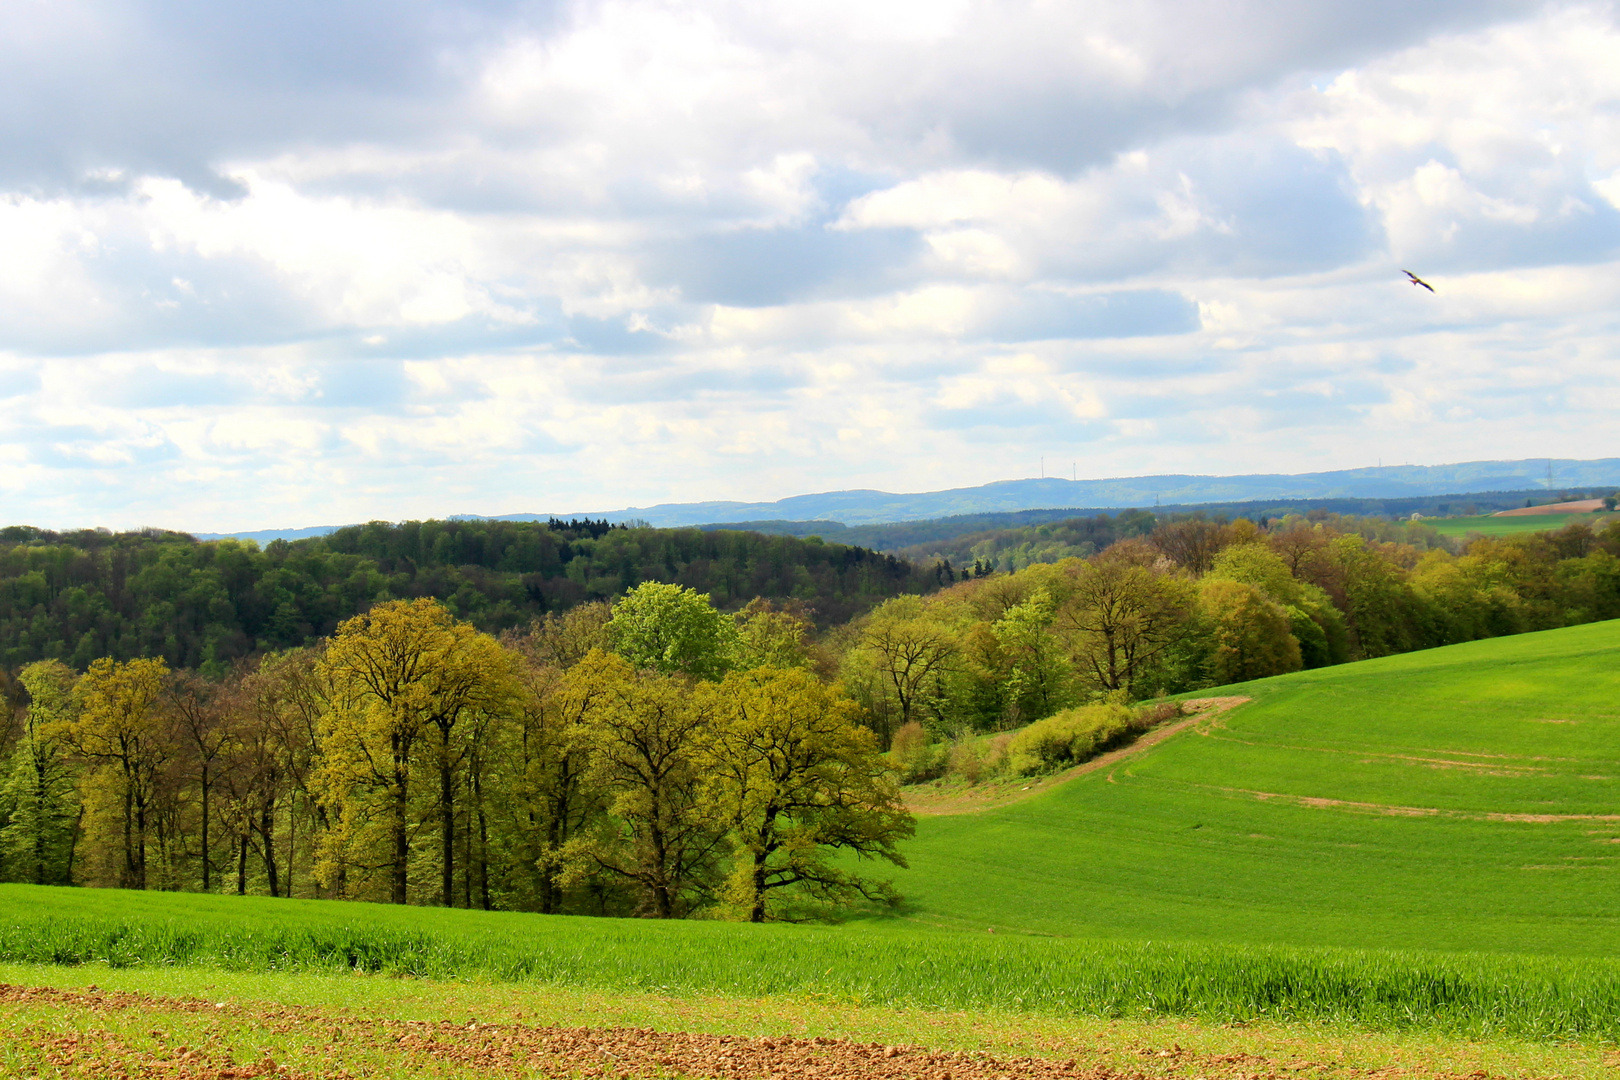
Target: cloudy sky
pixel 314 262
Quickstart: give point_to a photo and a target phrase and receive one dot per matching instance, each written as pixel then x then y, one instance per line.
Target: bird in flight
pixel 1417 280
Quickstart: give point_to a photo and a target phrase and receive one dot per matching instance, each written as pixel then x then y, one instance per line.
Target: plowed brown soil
pixel 94 1033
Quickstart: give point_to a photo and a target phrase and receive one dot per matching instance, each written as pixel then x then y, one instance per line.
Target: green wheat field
pixel 1427 842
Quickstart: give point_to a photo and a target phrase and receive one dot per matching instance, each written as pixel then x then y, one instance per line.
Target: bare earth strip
pixel 928 800
pixel 55 1032
pixel 1395 810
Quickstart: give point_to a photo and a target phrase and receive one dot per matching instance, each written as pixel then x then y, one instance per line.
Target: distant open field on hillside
pixel 1512 526
pixel 1460 798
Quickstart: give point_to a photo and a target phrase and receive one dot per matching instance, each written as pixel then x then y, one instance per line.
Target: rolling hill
pixel 1376 845
pixel 868 507
pixel 1462 798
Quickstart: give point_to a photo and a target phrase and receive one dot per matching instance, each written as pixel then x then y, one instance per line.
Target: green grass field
pixel 1426 841
pixel 1462 798
pixel 885 964
pixel 1512 526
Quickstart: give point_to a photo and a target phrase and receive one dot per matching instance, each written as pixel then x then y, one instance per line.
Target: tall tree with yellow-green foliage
pixel 406 679
pixel 798 779
pixel 38 796
pixel 121 729
pixel 661 835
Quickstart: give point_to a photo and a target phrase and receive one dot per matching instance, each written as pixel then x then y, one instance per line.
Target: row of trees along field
pixel 658 755
pixel 1196 603
pixel 78 596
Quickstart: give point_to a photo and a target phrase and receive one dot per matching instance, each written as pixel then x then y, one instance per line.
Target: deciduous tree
pixel 798 780
pixel 1122 619
pixel 41 805
pixel 903 655
pixel 403 672
pixel 648 735
pixel 120 726
pixel 668 628
pixel 1251 635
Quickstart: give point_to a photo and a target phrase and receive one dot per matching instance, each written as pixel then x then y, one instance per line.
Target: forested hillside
pixel 655 754
pixel 948 535
pixel 83 595
pixel 1016 546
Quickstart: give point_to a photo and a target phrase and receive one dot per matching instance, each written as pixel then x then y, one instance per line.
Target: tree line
pixel 658 757
pixel 75 597
pixel 1194 603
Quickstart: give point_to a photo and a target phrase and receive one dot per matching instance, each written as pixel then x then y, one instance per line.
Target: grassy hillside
pixel 1458 798
pixel 1512 526
pixel 1365 843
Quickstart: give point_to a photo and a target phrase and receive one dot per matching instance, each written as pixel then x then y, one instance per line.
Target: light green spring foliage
pixel 1316 624
pixel 1069 737
pixel 411 687
pixel 900 663
pixel 120 730
pixel 647 738
pixel 799 780
pixel 1040 675
pixel 1250 635
pixel 770 637
pixel 38 801
pixel 669 628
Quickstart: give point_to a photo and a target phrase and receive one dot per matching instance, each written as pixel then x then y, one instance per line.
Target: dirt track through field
pixel 495 1050
pixel 972 800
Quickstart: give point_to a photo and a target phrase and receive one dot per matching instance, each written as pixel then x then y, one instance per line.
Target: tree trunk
pixel 73 846
pixel 267 833
pixel 205 859
pixel 140 843
pixel 762 858
pixel 402 840
pixel 292 836
pixel 447 833
pixel 483 857
pixel 758 912
pixel 241 863
pixel 41 801
pixel 129 832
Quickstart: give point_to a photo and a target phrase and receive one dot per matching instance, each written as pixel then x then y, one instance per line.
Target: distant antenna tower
pixel 1043 466
pixel 1549 474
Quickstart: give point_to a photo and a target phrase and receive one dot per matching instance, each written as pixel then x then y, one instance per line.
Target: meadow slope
pixel 1461 798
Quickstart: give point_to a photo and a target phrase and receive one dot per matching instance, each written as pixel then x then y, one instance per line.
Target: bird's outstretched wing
pixel 1417 280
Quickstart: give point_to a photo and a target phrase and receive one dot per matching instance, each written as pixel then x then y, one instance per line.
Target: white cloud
pixel 500 259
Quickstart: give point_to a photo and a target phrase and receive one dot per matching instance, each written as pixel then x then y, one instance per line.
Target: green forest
pixel 82 595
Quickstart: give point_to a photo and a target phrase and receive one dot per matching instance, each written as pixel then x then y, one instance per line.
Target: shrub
pixel 914 757
pixel 1076 735
pixel 973 759
pixel 1070 736
pixel 1149 716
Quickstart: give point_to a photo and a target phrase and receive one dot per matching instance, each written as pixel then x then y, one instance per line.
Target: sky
pixel 317 262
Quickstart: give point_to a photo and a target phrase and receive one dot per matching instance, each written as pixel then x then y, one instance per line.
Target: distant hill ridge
pixel 867 507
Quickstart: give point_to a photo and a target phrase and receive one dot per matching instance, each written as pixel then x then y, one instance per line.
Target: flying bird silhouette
pixel 1417 280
